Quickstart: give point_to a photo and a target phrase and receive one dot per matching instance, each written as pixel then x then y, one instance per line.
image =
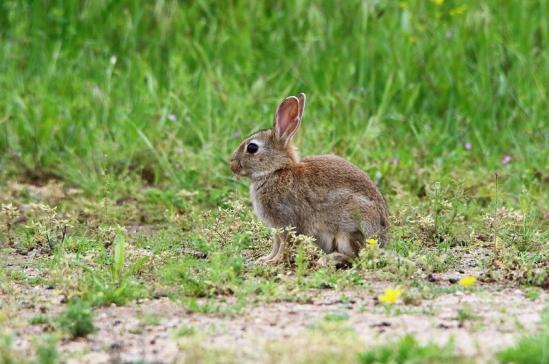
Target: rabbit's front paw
pixel 263 259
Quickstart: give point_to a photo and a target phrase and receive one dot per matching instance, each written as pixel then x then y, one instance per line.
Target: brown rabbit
pixel 325 196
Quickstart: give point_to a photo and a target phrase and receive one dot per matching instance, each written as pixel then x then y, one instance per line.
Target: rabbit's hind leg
pixel 337 260
pixel 344 253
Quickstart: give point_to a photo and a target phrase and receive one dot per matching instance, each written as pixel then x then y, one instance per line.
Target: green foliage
pixel 336 316
pixel 220 274
pixel 408 351
pixel 466 313
pixel 409 80
pixel 119 285
pixel 77 319
pixel 119 257
pixel 532 349
pixel 7 355
pixel 47 352
pixel 529 349
pixel 39 320
pixel 183 331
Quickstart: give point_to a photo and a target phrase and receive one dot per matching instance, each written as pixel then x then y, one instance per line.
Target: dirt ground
pixel 501 314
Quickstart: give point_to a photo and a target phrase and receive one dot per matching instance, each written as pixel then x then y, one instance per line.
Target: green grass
pixel 532 349
pixel 77 319
pixel 47 352
pixel 117 120
pixel 92 103
pixel 409 351
pixel 529 349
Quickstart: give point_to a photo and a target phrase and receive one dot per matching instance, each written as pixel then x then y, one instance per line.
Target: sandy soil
pixel 504 313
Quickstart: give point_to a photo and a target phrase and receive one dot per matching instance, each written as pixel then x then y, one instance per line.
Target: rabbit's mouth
pixel 236 167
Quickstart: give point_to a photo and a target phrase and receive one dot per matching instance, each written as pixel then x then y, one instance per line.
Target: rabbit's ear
pixel 302 100
pixel 287 119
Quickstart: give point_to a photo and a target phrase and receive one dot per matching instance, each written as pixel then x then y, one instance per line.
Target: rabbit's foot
pixel 264 259
pixel 337 260
pixel 277 250
pixel 277 256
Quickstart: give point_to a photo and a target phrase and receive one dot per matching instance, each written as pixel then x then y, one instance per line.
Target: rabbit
pixel 324 196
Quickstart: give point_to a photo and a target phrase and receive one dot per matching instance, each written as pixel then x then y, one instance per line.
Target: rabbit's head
pixel 266 151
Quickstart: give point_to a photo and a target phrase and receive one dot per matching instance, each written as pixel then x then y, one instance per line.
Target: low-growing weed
pixel 39 320
pixel 47 352
pixel 466 313
pixel 409 351
pixel 77 320
pixel 7 354
pixel 185 331
pixel 529 349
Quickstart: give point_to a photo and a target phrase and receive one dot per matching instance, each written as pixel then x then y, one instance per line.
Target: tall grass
pixel 95 88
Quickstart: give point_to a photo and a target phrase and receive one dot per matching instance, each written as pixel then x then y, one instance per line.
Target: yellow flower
pixel 437 2
pixel 467 281
pixel 390 296
pixel 460 10
pixel 371 242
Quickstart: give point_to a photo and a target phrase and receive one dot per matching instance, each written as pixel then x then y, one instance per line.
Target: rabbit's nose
pixel 235 166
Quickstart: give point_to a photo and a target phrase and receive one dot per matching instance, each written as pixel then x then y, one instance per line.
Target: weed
pixel 408 350
pixel 46 228
pixel 47 352
pixel 77 319
pixel 325 342
pixel 185 331
pixel 336 316
pixel 150 319
pixel 531 348
pixel 9 215
pixel 533 293
pixel 39 320
pixel 119 285
pixel 7 354
pixel 466 313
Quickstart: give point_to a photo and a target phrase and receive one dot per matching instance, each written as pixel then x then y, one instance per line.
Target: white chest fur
pixel 258 206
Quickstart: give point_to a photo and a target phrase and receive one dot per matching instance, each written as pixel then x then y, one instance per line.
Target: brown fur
pixel 324 196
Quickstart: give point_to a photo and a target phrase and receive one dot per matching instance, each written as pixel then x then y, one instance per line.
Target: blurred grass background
pixel 160 92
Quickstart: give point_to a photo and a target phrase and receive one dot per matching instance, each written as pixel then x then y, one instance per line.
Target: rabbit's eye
pixel 252 148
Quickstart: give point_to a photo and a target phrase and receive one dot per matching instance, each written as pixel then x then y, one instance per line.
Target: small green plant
pixel 39 320
pixel 184 330
pixel 47 352
pixel 119 257
pixel 8 216
pixel 301 262
pixel 409 351
pixel 7 354
pixel 77 319
pixel 117 284
pixel 150 319
pixel 533 293
pixel 336 316
pixel 46 228
pixel 529 349
pixel 466 313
